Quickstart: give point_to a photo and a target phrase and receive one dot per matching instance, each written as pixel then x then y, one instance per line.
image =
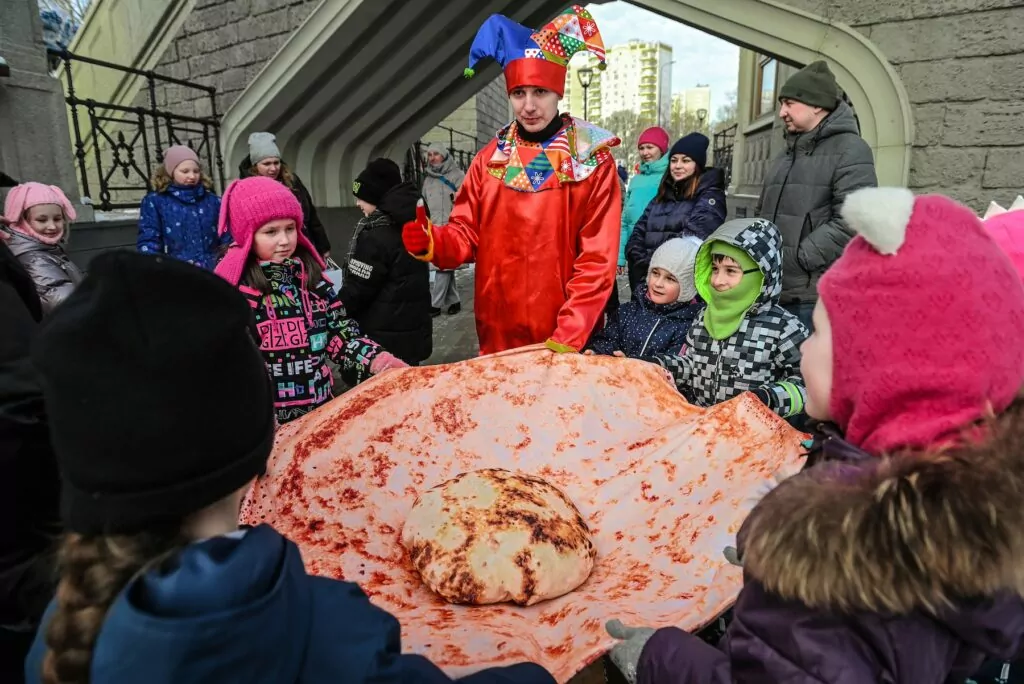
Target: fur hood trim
pixel 903 533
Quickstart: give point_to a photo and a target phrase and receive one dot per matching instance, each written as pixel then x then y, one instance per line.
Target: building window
pixel 766 86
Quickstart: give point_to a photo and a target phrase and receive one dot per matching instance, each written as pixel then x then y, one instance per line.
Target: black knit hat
pixel 694 146
pixel 814 85
pixel 158 397
pixel 377 178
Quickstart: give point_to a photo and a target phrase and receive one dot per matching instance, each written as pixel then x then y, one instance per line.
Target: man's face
pixel 534 107
pixel 800 118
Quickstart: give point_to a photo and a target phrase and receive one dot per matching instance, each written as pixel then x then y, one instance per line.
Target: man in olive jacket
pixel 824 161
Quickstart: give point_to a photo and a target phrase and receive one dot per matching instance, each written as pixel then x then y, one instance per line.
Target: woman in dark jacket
pixel 385 289
pixel 265 160
pixel 690 201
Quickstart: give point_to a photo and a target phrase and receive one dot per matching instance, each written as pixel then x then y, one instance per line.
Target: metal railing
pixel 117 146
pixel 724 140
pixel 415 157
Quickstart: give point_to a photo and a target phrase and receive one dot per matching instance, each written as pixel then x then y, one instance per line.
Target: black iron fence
pixel 117 146
pixel 416 156
pixel 724 141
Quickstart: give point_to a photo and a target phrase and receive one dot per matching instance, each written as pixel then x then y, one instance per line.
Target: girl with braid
pixel 157 582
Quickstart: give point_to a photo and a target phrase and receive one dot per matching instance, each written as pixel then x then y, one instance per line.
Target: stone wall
pixel 34 139
pixel 961 62
pixel 224 44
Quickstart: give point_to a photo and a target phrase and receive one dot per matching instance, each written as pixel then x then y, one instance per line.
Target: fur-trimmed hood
pixel 911 532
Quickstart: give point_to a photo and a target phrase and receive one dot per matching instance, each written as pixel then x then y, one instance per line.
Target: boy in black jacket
pixel 385 289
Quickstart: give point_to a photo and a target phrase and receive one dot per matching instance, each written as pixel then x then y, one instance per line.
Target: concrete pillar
pixel 34 140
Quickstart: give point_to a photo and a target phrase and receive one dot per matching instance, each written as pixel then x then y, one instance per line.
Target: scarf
pixel 726 310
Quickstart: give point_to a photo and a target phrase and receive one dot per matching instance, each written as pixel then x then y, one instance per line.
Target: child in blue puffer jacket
pixel 659 316
pixel 179 218
pixel 157 583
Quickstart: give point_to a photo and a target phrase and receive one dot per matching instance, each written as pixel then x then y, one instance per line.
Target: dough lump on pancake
pixel 490 536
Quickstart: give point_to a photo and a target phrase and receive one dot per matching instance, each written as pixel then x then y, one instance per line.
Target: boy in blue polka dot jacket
pixel 659 316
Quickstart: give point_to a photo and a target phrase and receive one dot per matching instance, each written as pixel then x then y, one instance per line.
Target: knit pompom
pixel 880 215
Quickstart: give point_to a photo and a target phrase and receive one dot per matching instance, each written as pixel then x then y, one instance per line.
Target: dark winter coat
pixel 385 289
pixel 662 221
pixel 803 193
pixel 904 570
pixel 30 487
pixel 299 329
pixel 241 608
pixel 181 222
pixel 313 228
pixel 764 352
pixel 642 328
pixel 51 269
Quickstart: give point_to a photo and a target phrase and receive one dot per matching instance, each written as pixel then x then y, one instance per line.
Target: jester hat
pixel 537 58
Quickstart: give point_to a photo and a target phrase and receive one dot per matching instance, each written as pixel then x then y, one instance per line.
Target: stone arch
pixel 357 80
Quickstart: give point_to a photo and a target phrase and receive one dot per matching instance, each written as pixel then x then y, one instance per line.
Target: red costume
pixel 541 220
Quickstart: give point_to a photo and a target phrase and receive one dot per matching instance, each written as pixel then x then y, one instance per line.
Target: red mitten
pixel 418 235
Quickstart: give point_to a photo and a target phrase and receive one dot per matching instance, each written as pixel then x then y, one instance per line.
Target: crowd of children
pixel 901 535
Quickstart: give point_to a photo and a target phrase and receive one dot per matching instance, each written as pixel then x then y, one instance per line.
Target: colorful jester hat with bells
pixel 537 58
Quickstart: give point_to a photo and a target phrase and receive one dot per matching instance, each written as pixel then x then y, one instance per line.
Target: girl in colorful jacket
pixel 179 218
pixel 896 556
pixel 299 319
pixel 38 217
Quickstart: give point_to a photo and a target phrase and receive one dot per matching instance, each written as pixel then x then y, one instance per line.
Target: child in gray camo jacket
pixel 742 340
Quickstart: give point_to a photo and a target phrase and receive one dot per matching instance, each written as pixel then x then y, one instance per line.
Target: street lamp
pixel 701 115
pixel 586 77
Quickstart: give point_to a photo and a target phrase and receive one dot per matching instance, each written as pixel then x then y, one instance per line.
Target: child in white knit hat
pixel 660 314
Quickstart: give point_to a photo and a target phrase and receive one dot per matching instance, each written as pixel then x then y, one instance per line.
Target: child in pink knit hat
pixel 299 319
pixel 896 557
pixel 38 216
pixel 179 218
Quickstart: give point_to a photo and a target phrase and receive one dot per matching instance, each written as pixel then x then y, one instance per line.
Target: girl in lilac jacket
pixel 895 556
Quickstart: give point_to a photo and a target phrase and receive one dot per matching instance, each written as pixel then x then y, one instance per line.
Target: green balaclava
pixel 725 310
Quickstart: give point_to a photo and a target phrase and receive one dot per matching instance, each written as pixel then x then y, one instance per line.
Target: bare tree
pixel 627 125
pixel 726 114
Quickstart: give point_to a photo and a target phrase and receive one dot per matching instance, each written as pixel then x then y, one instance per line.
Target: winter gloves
pixel 386 361
pixel 626 653
pixel 418 235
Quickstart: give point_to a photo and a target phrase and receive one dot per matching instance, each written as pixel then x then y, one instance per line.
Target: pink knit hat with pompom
pixel 927 318
pixel 248 205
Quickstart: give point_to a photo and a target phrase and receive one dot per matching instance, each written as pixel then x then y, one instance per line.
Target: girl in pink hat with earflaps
pixel 37 217
pixel 300 320
pixel 895 555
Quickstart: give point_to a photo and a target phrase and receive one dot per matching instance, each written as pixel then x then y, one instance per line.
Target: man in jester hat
pixel 540 208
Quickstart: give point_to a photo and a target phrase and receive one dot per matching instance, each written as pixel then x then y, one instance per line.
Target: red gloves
pixel 418 235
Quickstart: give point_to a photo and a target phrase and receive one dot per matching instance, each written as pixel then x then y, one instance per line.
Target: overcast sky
pixel 699 58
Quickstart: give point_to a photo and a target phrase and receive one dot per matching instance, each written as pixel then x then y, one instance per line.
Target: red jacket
pixel 545 258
